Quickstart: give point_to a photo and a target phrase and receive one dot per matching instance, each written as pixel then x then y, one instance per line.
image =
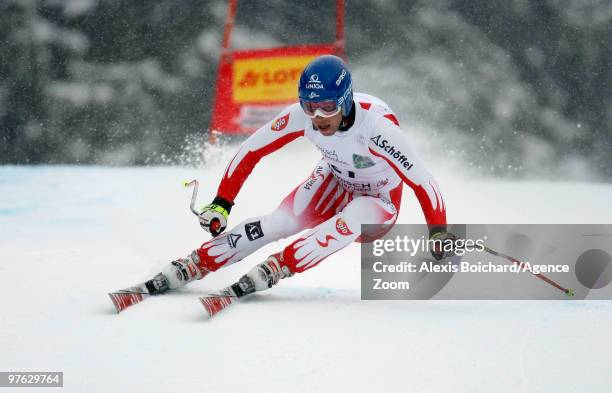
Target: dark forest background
pixel 506 85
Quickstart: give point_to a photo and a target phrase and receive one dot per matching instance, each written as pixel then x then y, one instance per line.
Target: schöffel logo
pixel 280 123
pixel 314 82
pixel 342 227
pixel 390 150
pixel 313 95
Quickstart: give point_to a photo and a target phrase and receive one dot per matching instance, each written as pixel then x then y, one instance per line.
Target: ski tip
pixel 215 303
pixel 123 300
pixel 570 292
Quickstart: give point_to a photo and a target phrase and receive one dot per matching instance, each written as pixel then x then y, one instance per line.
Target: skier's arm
pixel 389 142
pixel 286 127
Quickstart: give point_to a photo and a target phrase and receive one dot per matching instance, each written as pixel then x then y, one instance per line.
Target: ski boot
pixel 261 277
pixel 176 274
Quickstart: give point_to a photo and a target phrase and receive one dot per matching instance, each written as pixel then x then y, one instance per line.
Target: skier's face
pixel 327 126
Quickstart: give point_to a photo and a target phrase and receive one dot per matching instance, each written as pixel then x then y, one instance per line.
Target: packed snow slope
pixel 69 235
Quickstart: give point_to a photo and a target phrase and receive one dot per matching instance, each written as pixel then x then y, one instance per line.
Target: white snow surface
pixel 69 235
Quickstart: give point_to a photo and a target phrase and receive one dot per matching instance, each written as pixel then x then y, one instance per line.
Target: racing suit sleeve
pixel 286 127
pixel 390 143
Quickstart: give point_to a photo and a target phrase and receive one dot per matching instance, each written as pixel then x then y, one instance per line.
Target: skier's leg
pixel 320 242
pixel 310 203
pixel 301 209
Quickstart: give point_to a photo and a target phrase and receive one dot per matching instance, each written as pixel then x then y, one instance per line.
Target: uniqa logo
pixel 314 82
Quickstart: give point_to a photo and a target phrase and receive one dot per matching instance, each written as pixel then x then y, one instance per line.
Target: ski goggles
pixel 327 108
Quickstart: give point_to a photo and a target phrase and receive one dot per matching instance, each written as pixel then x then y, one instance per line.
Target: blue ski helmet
pixel 327 78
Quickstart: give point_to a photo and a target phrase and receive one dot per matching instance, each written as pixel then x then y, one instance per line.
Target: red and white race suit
pixel 358 181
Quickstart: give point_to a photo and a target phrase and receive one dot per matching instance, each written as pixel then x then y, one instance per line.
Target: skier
pixel 366 158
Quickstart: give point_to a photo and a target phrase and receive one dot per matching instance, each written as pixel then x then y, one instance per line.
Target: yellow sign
pixel 267 79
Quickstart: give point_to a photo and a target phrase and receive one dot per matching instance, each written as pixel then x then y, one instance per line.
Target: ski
pixel 127 297
pixel 214 303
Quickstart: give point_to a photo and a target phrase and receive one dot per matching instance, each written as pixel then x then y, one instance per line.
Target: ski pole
pixel 194 195
pixel 567 291
pixel 215 223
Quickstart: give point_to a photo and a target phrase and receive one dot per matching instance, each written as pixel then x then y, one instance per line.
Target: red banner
pixel 254 85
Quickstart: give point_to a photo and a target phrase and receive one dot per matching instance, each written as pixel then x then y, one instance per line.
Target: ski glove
pixel 213 217
pixel 443 243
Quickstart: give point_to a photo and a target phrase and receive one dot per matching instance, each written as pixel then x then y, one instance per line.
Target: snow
pixel 69 235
